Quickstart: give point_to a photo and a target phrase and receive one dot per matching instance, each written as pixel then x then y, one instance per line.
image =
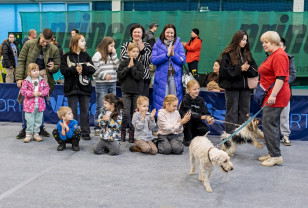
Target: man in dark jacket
pixel 47 57
pixel 149 34
pixel 32 34
pixel 10 55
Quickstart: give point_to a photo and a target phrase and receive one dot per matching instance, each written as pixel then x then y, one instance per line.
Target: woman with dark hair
pixel 9 50
pixel 77 67
pixel 137 33
pixel 168 55
pixel 236 66
pixel 212 79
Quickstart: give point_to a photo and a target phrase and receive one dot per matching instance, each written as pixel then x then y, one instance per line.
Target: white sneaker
pixel 264 157
pixel 285 140
pixel 28 138
pixel 271 161
pixel 37 137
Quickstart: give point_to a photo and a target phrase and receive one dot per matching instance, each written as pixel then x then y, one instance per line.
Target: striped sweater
pixel 144 57
pixel 102 68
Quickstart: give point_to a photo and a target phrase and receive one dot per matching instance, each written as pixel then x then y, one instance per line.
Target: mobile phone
pixel 50 60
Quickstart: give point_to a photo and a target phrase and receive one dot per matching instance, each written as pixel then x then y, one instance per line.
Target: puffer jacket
pixel 193 49
pixel 27 90
pixel 72 85
pixel 8 55
pixel 29 53
pixel 232 77
pixel 161 60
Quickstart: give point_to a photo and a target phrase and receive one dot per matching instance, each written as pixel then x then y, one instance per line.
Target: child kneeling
pixel 144 123
pixel 67 130
pixel 110 120
pixel 170 127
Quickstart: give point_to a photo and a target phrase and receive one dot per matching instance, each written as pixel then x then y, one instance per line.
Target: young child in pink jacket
pixel 34 89
pixel 170 127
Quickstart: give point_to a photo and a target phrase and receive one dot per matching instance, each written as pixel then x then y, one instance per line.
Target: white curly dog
pixel 206 155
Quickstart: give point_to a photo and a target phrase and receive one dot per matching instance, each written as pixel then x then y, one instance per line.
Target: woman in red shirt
pixel 274 70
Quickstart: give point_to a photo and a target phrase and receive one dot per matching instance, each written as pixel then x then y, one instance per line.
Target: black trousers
pixel 130 105
pixel 75 138
pixel 193 129
pixel 84 101
pixel 193 66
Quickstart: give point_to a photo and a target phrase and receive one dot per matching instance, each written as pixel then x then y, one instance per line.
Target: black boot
pixel 131 136
pixel 62 145
pixel 75 144
pixel 123 135
pixel 21 134
pixel 43 132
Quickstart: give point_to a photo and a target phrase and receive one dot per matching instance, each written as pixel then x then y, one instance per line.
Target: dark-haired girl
pixel 236 66
pixel 110 121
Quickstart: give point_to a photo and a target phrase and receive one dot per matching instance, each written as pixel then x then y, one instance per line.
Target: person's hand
pixel 186 118
pixel 50 65
pixel 62 125
pixel 35 94
pixel 40 94
pixel 153 113
pixel 140 44
pixel 131 62
pixel 184 43
pixel 113 51
pixel 106 117
pixel 271 99
pixel 108 77
pixel 19 83
pixel 210 120
pixel 11 67
pixel 79 68
pixel 170 51
pixel 245 66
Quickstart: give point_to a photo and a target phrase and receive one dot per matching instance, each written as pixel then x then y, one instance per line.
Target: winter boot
pixel 75 144
pixel 62 145
pixel 37 137
pixel 123 135
pixel 131 136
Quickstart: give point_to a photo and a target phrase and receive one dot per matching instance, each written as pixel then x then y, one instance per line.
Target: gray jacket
pixel 292 71
pixel 143 129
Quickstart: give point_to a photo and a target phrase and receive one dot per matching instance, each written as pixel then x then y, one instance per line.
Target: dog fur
pixel 203 152
pixel 249 134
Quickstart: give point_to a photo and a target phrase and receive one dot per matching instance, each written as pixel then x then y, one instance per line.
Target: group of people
pixel 39 60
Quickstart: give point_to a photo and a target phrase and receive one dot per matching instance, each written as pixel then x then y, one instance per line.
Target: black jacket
pixel 8 55
pixel 231 77
pixel 131 79
pixel 197 107
pixel 72 84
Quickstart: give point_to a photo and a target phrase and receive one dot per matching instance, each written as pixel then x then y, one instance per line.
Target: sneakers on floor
pixel 264 157
pixel 36 137
pixel 271 161
pixel 285 140
pixel 21 134
pixel 43 132
pixel 28 138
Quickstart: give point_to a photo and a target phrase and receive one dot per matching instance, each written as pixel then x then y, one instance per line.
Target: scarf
pixel 168 43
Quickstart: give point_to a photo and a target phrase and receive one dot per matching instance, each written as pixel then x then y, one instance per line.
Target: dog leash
pixel 228 122
pixel 242 126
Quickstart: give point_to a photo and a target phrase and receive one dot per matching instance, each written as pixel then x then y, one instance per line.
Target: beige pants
pixel 146 146
pixel 10 74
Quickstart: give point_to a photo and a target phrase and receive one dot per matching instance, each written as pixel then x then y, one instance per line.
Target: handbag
pixel 187 76
pixel 260 93
pixel 83 79
pixel 252 81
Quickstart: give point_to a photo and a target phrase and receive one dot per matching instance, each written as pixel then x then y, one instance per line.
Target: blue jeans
pixel 34 120
pixel 170 86
pixel 24 122
pixel 102 89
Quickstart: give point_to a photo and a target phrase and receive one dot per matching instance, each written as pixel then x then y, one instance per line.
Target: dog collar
pixel 208 153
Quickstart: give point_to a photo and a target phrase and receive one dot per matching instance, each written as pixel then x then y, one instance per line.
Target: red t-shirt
pixel 276 64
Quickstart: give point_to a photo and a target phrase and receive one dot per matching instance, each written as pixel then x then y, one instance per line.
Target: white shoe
pixel 286 141
pixel 28 138
pixel 271 161
pixel 37 137
pixel 264 157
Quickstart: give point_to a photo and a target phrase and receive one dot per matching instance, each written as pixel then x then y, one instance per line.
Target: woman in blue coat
pixel 168 55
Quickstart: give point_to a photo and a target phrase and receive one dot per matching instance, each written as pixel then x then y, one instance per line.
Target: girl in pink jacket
pixel 34 89
pixel 170 132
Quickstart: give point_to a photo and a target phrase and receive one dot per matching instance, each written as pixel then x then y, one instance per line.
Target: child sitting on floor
pixel 67 130
pixel 110 121
pixel 170 127
pixel 144 123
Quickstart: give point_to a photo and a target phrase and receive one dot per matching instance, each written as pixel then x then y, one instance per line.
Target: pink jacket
pixel 29 100
pixel 169 123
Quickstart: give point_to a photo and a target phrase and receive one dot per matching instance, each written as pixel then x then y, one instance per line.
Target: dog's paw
pixel 209 189
pixel 192 173
pixel 260 146
pixel 201 179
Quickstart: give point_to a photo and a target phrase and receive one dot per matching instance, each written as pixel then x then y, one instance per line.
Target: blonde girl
pixel 170 124
pixel 144 123
pixel 34 89
pixel 194 104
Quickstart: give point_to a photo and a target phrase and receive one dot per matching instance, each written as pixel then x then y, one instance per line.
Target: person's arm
pixel 292 71
pixel 70 131
pixel 253 69
pixel 21 63
pixel 145 54
pixel 66 70
pixel 137 121
pixel 123 52
pixel 123 70
pixel 151 42
pixel 194 45
pixel 227 70
pixel 179 55
pixel 88 68
pixel 158 58
pixel 137 71
pixel 25 91
pixel 6 60
pixel 45 88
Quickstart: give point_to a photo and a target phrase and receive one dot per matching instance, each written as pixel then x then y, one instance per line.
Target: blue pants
pixel 34 120
pixel 102 89
pixel 170 86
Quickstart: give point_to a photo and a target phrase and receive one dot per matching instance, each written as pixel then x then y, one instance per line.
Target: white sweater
pixel 169 122
pixel 102 68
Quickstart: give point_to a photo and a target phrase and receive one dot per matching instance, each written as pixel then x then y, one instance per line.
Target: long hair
pixel 102 48
pixel 169 99
pixel 1 47
pixel 118 104
pixel 234 49
pixel 74 43
pixel 162 34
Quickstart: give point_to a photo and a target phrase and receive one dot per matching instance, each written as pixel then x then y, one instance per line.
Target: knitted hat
pixel 196 31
